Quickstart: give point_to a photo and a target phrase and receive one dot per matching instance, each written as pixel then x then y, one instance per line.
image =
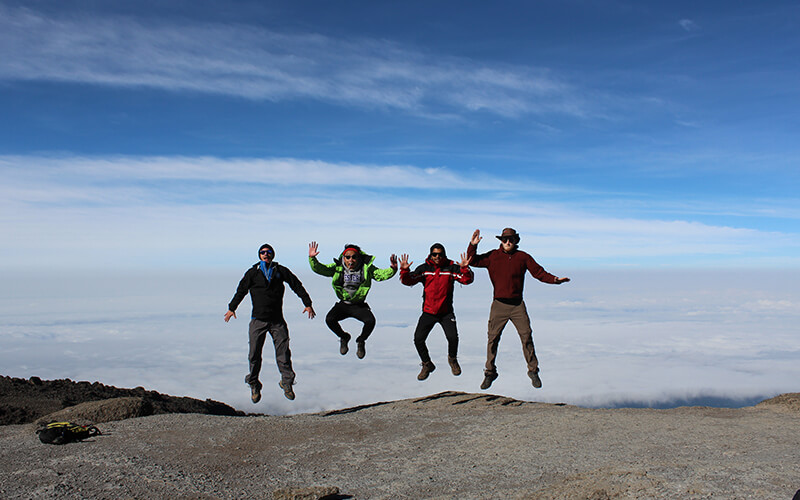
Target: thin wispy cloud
pixel 261 64
pixel 688 25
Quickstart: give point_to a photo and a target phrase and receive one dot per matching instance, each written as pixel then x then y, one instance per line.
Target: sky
pixel 172 139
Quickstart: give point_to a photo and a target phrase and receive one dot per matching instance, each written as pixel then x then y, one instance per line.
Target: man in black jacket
pixel 264 281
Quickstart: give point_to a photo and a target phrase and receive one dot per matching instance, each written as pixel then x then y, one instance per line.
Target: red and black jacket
pixel 437 295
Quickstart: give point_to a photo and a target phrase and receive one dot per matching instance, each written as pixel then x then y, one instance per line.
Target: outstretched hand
pixel 465 260
pixel 404 263
pixel 561 280
pixel 476 237
pixel 393 262
pixel 313 249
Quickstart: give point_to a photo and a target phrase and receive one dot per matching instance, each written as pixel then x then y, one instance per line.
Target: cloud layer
pixel 604 339
pixel 181 212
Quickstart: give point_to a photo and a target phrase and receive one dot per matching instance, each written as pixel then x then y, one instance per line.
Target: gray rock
pixel 307 493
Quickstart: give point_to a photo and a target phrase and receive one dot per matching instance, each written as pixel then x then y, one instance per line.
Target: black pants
pixel 424 327
pixel 359 311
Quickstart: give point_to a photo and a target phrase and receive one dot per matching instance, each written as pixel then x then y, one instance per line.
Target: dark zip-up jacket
pixel 267 297
pixel 437 294
pixel 507 270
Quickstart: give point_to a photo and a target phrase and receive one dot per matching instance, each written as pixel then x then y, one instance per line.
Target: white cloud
pixel 688 25
pixel 257 63
pixel 205 211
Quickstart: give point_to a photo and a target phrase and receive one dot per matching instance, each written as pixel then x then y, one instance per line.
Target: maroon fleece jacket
pixel 507 270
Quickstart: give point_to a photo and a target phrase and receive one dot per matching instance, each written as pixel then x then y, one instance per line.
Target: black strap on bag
pixel 66 432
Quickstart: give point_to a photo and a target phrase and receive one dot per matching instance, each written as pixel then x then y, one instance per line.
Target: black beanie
pixel 267 246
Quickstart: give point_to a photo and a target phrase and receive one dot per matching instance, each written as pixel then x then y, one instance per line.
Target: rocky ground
pixel 448 445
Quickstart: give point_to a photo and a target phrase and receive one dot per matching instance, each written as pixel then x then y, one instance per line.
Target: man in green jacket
pixel 352 275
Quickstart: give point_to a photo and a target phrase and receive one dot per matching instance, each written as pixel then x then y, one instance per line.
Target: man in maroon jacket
pixel 507 266
pixel 437 276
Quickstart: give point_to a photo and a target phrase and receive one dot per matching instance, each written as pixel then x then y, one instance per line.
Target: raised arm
pixel 466 276
pixel 317 266
pixel 472 251
pixel 385 274
pixel 406 276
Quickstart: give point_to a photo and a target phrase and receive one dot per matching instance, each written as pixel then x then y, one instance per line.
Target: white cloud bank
pixel 603 338
pixel 258 63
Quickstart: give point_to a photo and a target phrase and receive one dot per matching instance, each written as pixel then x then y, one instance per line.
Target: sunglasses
pixel 266 252
pixel 508 239
pixel 350 256
pixel 436 254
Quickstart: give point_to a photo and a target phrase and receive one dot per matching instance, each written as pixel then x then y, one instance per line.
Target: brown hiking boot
pixel 454 366
pixel 427 368
pixel 287 389
pixel 488 378
pixel 255 393
pixel 535 380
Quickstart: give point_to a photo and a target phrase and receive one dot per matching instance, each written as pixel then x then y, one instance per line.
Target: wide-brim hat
pixel 508 233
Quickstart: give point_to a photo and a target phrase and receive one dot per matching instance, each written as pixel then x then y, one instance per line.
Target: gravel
pixel 448 445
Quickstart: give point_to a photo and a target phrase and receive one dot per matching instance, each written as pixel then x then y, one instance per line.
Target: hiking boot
pixel 343 345
pixel 488 378
pixel 454 366
pixel 535 380
pixel 427 368
pixel 361 351
pixel 255 393
pixel 287 389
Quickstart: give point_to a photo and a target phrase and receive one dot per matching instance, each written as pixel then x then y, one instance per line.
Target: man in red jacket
pixel 437 276
pixel 507 266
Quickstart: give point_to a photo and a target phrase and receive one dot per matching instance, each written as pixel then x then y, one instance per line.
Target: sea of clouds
pixel 606 339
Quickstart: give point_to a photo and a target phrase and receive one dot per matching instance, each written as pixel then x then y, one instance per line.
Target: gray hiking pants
pixel 283 356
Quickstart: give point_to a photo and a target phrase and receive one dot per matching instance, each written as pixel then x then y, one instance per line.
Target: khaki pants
pixel 499 315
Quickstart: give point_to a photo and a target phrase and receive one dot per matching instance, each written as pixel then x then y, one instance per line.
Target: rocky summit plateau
pixel 446 445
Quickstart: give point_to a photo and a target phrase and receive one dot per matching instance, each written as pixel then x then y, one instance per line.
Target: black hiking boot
pixel 427 368
pixel 488 378
pixel 343 345
pixel 535 380
pixel 455 368
pixel 361 351
pixel 287 389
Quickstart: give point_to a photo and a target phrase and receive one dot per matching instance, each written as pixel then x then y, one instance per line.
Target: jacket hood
pixel 366 259
pixel 442 263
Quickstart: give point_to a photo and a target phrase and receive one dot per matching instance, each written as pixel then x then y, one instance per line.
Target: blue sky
pixel 647 150
pixel 609 133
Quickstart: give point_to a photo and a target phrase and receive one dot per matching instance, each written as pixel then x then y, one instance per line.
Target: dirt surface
pixel 448 445
pixel 25 400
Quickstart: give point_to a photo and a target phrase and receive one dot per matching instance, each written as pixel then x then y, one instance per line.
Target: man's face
pixel 508 244
pixel 350 259
pixel 437 255
pixel 266 255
